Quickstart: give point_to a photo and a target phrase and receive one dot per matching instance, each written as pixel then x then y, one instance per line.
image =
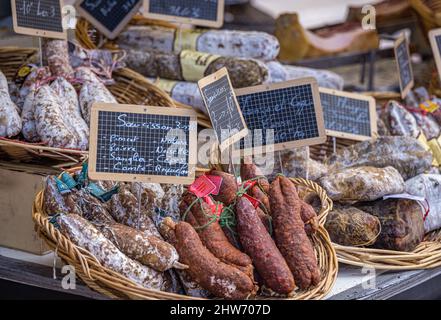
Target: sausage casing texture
pixel 85 235
pixel 49 120
pixel 228 189
pixel 259 245
pixel 290 235
pixel 148 250
pixel 54 202
pixel 92 91
pixel 221 279
pixel 10 120
pixel 212 234
pixel 29 129
pixel 124 209
pixel 191 287
pixel 71 111
pixel 56 56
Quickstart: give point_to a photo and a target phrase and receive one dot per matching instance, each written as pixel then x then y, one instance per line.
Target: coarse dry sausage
pixel 10 121
pixel 49 120
pixel 290 235
pixel 85 235
pixel 221 279
pixel 146 249
pixel 211 232
pixel 264 253
pixel 71 111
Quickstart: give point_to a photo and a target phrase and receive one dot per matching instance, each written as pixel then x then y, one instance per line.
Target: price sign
pixel 109 16
pixel 41 18
pixel 138 143
pixel 208 13
pixel 404 65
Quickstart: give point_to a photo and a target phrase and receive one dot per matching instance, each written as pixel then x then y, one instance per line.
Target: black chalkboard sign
pixel 222 107
pixel 136 143
pixel 208 13
pixel 404 65
pixel 348 115
pixel 109 16
pixel 41 18
pixel 291 109
pixel 435 41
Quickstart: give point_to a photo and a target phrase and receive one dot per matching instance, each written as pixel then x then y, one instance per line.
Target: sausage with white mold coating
pixel 124 208
pixel 10 121
pixel 85 235
pixel 49 120
pixel 146 249
pixel 71 111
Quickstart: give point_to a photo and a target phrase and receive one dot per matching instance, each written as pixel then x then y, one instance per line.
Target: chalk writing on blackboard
pixel 222 108
pixel 291 109
pixel 134 143
pixel 199 12
pixel 348 115
pixel 109 16
pixel 404 65
pixel 38 17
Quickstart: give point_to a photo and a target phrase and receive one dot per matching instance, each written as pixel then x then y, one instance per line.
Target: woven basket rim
pixel 114 285
pixel 427 255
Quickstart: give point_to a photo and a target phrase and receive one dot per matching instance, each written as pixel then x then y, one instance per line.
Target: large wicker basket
pixel 117 286
pixel 12 58
pixel 426 255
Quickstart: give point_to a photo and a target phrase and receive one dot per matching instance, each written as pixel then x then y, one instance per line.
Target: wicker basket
pixel 426 256
pixel 117 286
pixel 12 58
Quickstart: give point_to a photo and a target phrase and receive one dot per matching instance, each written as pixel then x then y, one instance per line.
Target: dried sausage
pixel 148 250
pixel 290 235
pixel 85 235
pixel 259 245
pixel 221 279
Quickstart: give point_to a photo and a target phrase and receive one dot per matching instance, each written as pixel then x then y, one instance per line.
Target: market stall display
pixel 201 251
pixel 146 204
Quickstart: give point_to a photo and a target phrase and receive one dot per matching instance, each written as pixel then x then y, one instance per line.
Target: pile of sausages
pixel 47 107
pixel 279 262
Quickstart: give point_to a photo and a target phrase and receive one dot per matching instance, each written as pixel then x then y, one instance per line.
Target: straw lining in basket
pixel 115 285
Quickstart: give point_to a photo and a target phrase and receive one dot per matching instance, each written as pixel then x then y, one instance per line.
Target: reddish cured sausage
pixel 259 245
pixel 221 279
pixel 228 189
pixel 211 232
pixel 290 235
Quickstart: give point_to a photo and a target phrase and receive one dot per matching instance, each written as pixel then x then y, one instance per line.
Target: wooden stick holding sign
pixel 205 13
pixel 435 42
pixel 292 109
pixel 223 109
pixel 144 144
pixel 404 65
pixel 109 16
pixel 42 18
pixel 349 115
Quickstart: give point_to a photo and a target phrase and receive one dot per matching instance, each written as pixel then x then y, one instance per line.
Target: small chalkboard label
pixel 291 109
pixel 435 41
pixel 207 13
pixel 41 18
pixel 348 115
pixel 109 16
pixel 404 65
pixel 222 107
pixel 138 143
